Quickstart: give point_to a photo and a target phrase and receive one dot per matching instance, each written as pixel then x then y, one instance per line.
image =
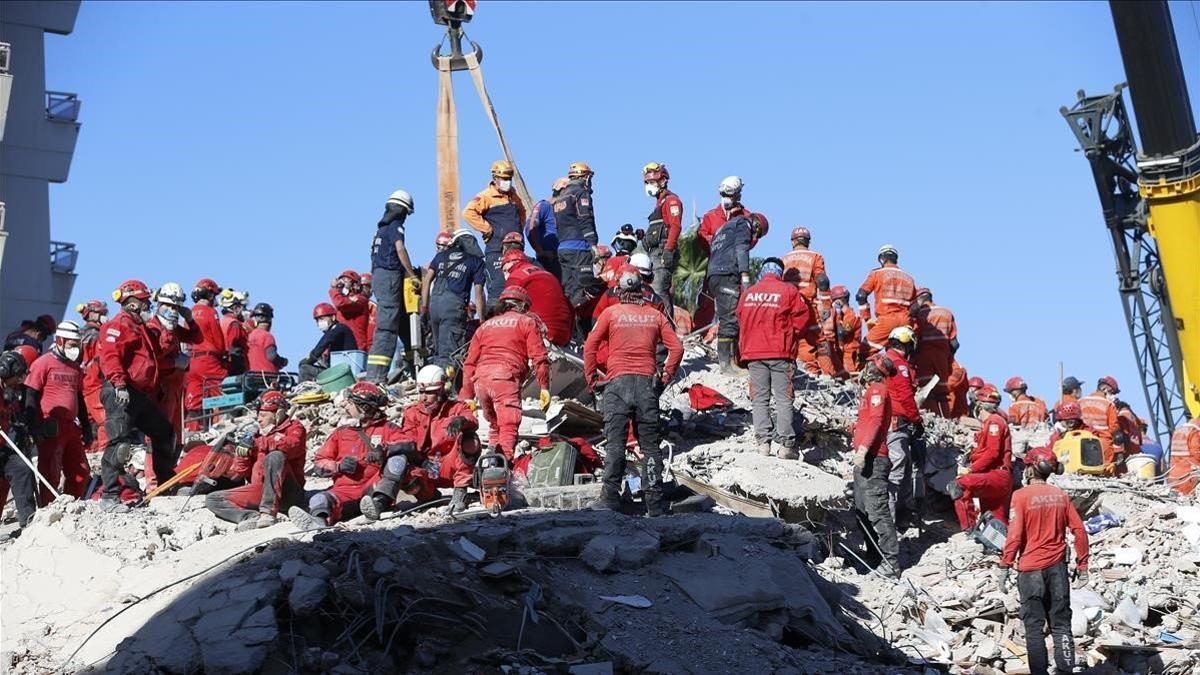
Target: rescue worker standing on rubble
pixel 13 470
pixel 441 449
pixel 547 301
pixel 990 466
pixel 631 389
pixel 207 366
pixel 446 291
pixel 263 353
pixel 730 207
pixel 495 212
pixel 1026 410
pixel 849 329
pixel 233 304
pixel 779 315
pixel 390 265
pixel 53 401
pixel 1185 457
pixel 498 362
pixel 727 276
pixel 1036 543
pixel 664 225
pixel 874 501
pixel 906 446
pixel 937 343
pixel 129 361
pixel 93 313
pixel 804 267
pixel 171 327
pixel 894 291
pixel 1100 413
pixel 277 479
pixel 542 231
pixel 575 218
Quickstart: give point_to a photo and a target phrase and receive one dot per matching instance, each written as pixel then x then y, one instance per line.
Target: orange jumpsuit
pixel 829 349
pixel 1185 457
pixel 1132 427
pixel 936 330
pixel 956 400
pixel 849 329
pixel 1027 411
pixel 1100 414
pixel 808 265
pixel 894 291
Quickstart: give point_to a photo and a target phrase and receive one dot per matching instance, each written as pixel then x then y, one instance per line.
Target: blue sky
pixel 256 143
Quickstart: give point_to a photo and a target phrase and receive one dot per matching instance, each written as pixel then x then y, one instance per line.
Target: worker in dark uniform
pixel 390 265
pixel 17 475
pixel 1037 545
pixel 495 212
pixel 542 231
pixel 662 230
pixel 575 219
pixel 729 274
pixel 335 337
pixel 446 292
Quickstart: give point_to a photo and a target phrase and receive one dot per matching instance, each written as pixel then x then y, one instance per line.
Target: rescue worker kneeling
pixel 277 479
pixel 990 477
pixel 352 454
pixel 440 450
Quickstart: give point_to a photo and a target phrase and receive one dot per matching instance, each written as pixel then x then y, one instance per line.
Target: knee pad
pixel 320 504
pixel 395 466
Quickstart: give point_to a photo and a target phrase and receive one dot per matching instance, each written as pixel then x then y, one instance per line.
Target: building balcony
pixel 63 257
pixel 62 106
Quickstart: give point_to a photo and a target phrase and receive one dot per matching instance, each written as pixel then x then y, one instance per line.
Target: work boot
pixel 764 448
pixel 113 506
pixel 602 503
pixel 725 355
pixel 458 501
pixel 305 521
pixel 256 522
pixel 787 452
pixel 372 506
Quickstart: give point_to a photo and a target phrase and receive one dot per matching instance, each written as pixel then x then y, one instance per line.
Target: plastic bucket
pixel 335 378
pixel 1142 466
pixel 357 360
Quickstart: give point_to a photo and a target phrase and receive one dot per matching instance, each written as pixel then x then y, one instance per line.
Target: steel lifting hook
pixel 453 14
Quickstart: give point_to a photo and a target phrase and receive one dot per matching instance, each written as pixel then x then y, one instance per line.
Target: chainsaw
pixel 492 479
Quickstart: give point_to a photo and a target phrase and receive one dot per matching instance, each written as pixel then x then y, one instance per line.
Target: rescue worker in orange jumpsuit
pixel 804 268
pixel 957 392
pixel 53 401
pixel 1037 545
pixel 874 502
pixel 94 313
pixel 277 479
pixel 828 354
pixel 1072 391
pixel 170 328
pixel 849 329
pixel 894 291
pixel 129 359
pixel 440 449
pixel 352 455
pixel 207 366
pixel 353 307
pixel 495 212
pixel 263 352
pixel 665 223
pixel 1185 457
pixel 1100 413
pixel 779 315
pixel 730 208
pixel 1026 410
pixel 546 297
pixel 498 362
pixel 990 478
pixel 1131 426
pixel 634 383
pixel 937 343
pixel 233 303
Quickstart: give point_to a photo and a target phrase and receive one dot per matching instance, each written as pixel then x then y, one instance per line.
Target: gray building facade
pixel 38 129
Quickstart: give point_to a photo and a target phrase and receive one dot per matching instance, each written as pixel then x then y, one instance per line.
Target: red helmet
pixel 1068 411
pixel 511 258
pixel 1043 460
pixel 924 291
pixel 603 251
pixel 801 232
pixel 1111 382
pixel 1014 383
pixel 987 394
pixel 324 309
pixel 513 238
pixel 514 294
pixel 443 239
pixel 655 171
pixel 839 292
pixel 131 289
pixel 975 382
pixel 366 278
pixel 367 395
pixel 208 285
pixel 272 401
pixel 883 364
pixel 92 306
pixel 351 275
pixel 27 352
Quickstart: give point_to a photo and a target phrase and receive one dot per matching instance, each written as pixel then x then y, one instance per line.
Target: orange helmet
pixel 131 289
pixel 1111 382
pixel 579 169
pixel 987 394
pixel 502 168
pixel 975 382
pixel 839 292
pixel 1068 411
pixel 655 171
pixel 559 184
pixel 513 238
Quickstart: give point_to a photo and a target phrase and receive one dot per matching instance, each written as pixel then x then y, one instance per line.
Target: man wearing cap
pixel 495 212
pixel 1072 391
pixel 1100 413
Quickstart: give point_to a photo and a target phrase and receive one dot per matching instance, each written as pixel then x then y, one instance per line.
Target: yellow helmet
pixel 903 334
pixel 655 171
pixel 502 168
pixel 579 169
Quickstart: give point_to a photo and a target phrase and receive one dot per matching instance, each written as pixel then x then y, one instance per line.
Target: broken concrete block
pixel 307 594
pixel 290 569
pixel 258 628
pixel 223 619
pixel 609 552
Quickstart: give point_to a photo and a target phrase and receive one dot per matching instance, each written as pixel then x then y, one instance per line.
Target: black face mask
pixel 393 213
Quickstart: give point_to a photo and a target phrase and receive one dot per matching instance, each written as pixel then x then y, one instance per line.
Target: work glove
pixel 458 502
pixel 242 451
pixel 860 458
pixel 247 437
pixel 348 465
pixel 666 378
pixel 375 456
pixel 472 404
pixel 121 396
pixel 544 398
pixel 456 425
pixel 1002 574
pixel 88 436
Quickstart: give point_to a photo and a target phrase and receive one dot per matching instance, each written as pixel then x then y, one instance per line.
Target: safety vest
pixel 936 325
pixel 803 262
pixel 1095 413
pixel 1179 440
pixel 656 230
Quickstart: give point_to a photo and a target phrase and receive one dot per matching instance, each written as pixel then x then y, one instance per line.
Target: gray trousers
pixel 448 323
pixel 876 509
pixel 726 290
pixel 772 396
pixel 662 284
pixel 907 476
pixel 389 297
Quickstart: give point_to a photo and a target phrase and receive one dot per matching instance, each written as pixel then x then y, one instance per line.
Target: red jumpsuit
pixel 1100 414
pixel 92 382
pixel 440 454
pixel 353 442
pixel 235 341
pixel 290 438
pixel 354 311
pixel 1185 457
pixel 902 388
pixel 990 479
pixel 207 367
pixel 547 301
pixel 894 291
pixel 935 331
pixel 257 344
pixel 170 378
pixel 58 383
pixel 874 420
pixel 1027 411
pixel 850 335
pixel 612 269
pixel 1042 514
pixel 496 365
pixel 709 224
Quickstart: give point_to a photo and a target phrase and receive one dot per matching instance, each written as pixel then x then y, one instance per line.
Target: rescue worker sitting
pixel 335 337
pixel 546 298
pixel 442 453
pixel 277 454
pixel 874 503
pixel 1036 543
pixel 352 455
pixel 990 466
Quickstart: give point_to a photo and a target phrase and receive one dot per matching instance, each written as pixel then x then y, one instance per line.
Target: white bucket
pixel 1142 466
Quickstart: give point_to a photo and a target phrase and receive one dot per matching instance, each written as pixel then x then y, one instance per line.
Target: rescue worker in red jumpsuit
pixel 731 207
pixel 1037 545
pixel 990 477
pixel 1100 413
pixel 277 478
pixel 440 449
pixel 207 366
pixel 547 301
pixel 352 455
pixel 94 313
pixel 353 307
pixel 263 352
pixel 129 359
pixel 849 329
pixel 937 343
pixel 53 401
pixel 1067 418
pixel 973 386
pixel 495 212
pixel 15 474
pixel 498 361
pixel 906 439
pixel 634 382
pixel 894 291
pixel 170 327
pixel 639 263
pixel 664 224
pixel 779 315
pixel 1185 457
pixel 232 304
pixel 874 504
pixel 1025 410
pixel 372 308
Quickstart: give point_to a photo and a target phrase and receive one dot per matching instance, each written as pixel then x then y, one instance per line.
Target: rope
pixel 477 75
pixel 447 149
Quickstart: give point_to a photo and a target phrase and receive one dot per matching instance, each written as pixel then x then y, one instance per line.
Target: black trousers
pixel 121 423
pixel 21 483
pixel 1046 596
pixel 633 397
pixel 726 290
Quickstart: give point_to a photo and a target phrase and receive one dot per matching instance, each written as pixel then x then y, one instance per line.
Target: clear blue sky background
pixel 256 143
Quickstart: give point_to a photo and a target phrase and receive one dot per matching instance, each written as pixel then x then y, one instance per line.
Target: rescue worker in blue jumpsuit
pixel 575 219
pixel 494 213
pixel 542 231
pixel 446 290
pixel 390 265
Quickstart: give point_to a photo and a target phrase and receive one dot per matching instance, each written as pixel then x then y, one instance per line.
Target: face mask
pixel 651 189
pixel 504 185
pixel 71 353
pixel 727 202
pixel 169 314
pixel 324 324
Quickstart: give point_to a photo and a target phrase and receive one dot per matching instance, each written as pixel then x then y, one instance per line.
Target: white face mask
pixel 505 185
pixel 145 315
pixel 651 189
pixel 169 314
pixel 324 324
pixel 727 202
pixel 71 353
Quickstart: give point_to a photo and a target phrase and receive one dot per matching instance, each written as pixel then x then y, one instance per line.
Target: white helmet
pixel 229 298
pixel 460 234
pixel 642 262
pixel 402 198
pixel 171 293
pixel 67 330
pixel 431 378
pixel 887 248
pixel 730 186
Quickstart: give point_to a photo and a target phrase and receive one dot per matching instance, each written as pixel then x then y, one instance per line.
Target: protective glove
pixel 348 465
pixel 375 456
pixel 472 404
pixel 544 398
pixel 242 451
pixel 666 378
pixel 860 458
pixel 1002 574
pixel 458 501
pixel 121 396
pixel 247 438
pixel 456 425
